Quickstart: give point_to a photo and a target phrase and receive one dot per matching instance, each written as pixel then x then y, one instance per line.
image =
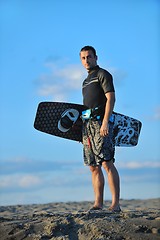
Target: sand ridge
pixel 139 219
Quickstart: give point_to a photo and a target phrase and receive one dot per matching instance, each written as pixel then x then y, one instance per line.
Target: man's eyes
pixel 87 57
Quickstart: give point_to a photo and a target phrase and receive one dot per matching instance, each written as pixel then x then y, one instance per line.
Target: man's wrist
pixel 105 121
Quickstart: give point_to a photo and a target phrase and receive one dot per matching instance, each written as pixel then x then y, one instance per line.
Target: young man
pixel 99 96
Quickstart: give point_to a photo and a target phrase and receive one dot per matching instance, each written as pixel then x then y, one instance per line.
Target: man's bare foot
pixel 115 209
pixel 95 208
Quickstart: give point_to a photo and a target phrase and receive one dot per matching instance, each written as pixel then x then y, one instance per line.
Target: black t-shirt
pixel 98 82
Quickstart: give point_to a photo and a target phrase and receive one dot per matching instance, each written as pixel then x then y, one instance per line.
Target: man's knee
pixel 95 169
pixel 108 165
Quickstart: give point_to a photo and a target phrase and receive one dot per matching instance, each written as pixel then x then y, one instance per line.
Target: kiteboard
pixel 65 120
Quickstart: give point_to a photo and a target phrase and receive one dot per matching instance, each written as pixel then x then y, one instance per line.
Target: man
pixel 99 96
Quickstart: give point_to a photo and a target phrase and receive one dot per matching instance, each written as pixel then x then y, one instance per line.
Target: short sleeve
pixel 106 81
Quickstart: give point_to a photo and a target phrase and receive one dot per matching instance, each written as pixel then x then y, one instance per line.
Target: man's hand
pixel 104 129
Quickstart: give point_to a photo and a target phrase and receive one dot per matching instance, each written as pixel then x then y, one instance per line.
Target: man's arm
pixel 108 111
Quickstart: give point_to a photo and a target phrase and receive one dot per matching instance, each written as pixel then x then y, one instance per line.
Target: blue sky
pixel 39 61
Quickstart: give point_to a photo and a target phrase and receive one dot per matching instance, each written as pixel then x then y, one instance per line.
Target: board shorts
pixel 96 148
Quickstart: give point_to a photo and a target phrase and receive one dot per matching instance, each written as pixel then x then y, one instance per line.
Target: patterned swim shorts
pixel 97 149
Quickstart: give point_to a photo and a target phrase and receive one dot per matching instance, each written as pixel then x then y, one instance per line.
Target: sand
pixel 139 219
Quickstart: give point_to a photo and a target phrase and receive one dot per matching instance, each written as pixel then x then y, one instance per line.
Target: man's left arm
pixel 108 111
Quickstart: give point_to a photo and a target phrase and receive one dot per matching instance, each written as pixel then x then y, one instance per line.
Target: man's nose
pixel 86 60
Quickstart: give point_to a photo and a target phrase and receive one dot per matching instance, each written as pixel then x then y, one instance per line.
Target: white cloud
pixel 60 81
pixel 156 115
pixel 138 164
pixel 63 79
pixel 17 165
pixel 29 181
pixel 19 181
pixel 17 160
pixel 118 75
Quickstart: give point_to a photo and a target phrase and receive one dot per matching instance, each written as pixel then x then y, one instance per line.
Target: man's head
pixel 88 57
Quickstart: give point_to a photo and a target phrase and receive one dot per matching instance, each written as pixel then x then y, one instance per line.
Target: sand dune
pixel 139 219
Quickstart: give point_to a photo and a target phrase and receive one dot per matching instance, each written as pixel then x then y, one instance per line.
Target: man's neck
pixel 93 69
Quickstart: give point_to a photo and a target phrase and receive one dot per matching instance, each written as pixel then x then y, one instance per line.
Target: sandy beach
pixel 139 219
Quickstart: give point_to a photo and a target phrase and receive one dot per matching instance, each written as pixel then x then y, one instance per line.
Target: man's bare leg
pixel 113 181
pixel 98 185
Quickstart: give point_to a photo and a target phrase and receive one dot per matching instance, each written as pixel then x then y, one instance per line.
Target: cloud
pixel 61 81
pixel 156 115
pixel 19 181
pixel 138 165
pixel 28 165
pixel 142 178
pixel 139 172
pixel 21 174
pixel 29 181
pixel 119 75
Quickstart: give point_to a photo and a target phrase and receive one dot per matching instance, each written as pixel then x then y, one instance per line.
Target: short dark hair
pixel 89 48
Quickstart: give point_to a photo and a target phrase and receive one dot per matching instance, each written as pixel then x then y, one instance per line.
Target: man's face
pixel 88 59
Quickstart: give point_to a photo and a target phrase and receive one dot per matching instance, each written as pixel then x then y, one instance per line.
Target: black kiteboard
pixel 50 118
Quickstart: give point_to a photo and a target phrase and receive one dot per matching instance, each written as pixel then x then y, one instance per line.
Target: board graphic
pixel 64 120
